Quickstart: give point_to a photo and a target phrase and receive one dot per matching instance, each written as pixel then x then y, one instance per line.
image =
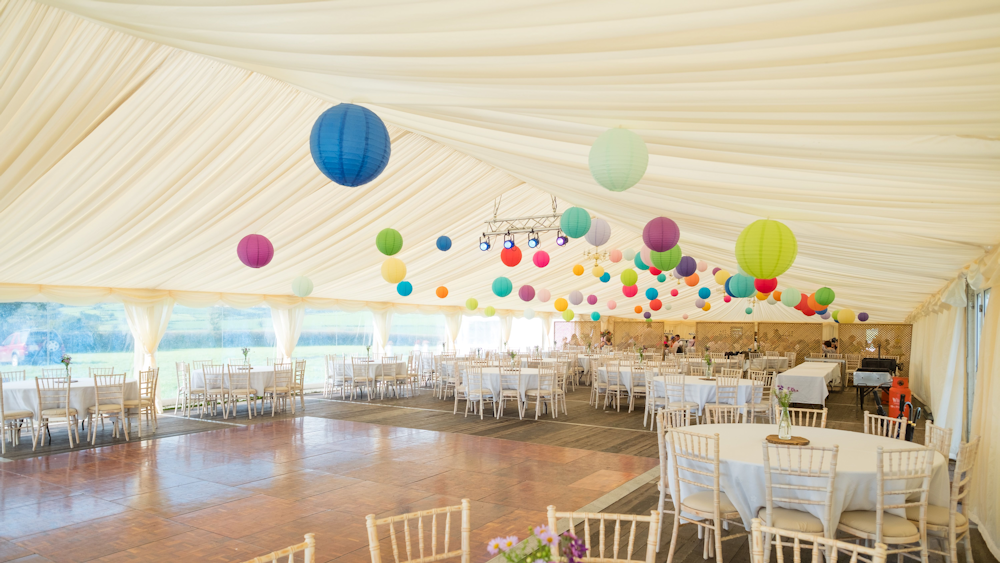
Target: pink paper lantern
pixel 612 304
pixel 540 258
pixel 526 293
pixel 655 271
pixel 255 251
pixel 766 286
pixel 647 259
pixel 630 290
pixel 592 299
pixel 674 292
pixel 543 295
pixel 702 265
pixel 684 316
pixel 727 299
pixel 615 255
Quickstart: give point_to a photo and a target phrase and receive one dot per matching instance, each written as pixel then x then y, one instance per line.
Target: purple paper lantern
pixel 647 315
pixel 687 266
pixel 255 251
pixel 592 299
pixel 661 234
pixel 526 293
pixel 862 317
pixel 715 271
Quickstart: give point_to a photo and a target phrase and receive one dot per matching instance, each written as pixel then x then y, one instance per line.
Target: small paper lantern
pixel 389 241
pixel 677 274
pixel 721 276
pixel 502 287
pixel 741 286
pixel 811 301
pixel 790 297
pixel 653 270
pixel 561 304
pixel 727 298
pixel 350 145
pixel 684 316
pixel 302 286
pixel 612 304
pixel 592 299
pixel 699 303
pixel 704 293
pixel 647 259
pixel 540 258
pixel 575 297
pixel 575 222
pixel 605 277
pixel 835 314
pixel 762 296
pixel 766 249
pixel 647 315
pixel 639 262
pixel 661 234
pixel 825 296
pixel 702 265
pixel 661 278
pixel 578 270
pixel 687 266
pixel 846 316
pixel 444 243
pixel 529 313
pixel 629 254
pixel 674 292
pixel 638 309
pixel 526 293
pixel 825 316
pixel 597 271
pixel 765 286
pixel 771 300
pixel 629 277
pixel 543 295
pixel 630 290
pixel 441 292
pixel 511 256
pixel 599 233
pixel 615 255
pixel 471 304
pixel 255 251
pixel 776 294
pixel 667 306
pixel 490 311
pixel 651 293
pixel 595 316
pixel 655 304
pixel 618 159
pixel 568 315
pixel 706 307
pixel 748 310
pixel 692 280
pixel 821 312
pixel 726 287
pixel 716 270
pixel 862 316
pixel 393 270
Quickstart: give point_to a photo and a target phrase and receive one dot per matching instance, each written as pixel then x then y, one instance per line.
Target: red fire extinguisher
pixel 898 395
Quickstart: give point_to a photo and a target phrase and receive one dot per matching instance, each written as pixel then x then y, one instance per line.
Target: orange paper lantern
pixel 691 280
pixel 777 295
pixel 442 292
pixel 813 304
pixel 638 308
pixel 578 270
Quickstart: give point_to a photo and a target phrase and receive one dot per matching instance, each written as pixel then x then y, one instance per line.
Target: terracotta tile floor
pixel 238 492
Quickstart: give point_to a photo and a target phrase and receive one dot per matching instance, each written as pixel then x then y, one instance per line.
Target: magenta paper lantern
pixel 765 286
pixel 526 293
pixel 615 255
pixel 630 290
pixel 255 251
pixel 592 299
pixel 543 295
pixel 715 271
pixel 612 304
pixel 727 298
pixel 540 258
pixel 661 234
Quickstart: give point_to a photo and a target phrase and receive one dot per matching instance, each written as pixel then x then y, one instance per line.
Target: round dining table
pixel 696 389
pixel 741 466
pixel 23 395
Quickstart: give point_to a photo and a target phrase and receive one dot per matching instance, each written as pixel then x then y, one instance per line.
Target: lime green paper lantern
pixel 835 314
pixel 490 311
pixel 618 159
pixel 668 260
pixel 568 315
pixel 766 249
pixel 575 222
pixel 389 241
pixel 825 296
pixel 471 304
pixel 629 277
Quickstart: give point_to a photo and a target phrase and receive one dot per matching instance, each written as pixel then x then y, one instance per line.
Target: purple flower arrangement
pixel 539 547
pixel 784 395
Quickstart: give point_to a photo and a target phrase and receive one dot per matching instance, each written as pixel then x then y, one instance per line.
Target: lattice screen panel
pixel 724 337
pixel 628 333
pixel 865 338
pixel 587 332
pixel 801 338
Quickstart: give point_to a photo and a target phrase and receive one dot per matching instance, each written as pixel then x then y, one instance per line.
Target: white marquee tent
pixel 141 140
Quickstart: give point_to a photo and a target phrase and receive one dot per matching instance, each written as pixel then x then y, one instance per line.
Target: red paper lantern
pixel 511 256
pixel 655 304
pixel 807 311
pixel 766 286
pixel 655 271
pixel 630 290
pixel 255 251
pixel 540 258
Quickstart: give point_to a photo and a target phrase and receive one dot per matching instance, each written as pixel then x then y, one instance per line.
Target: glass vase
pixel 785 425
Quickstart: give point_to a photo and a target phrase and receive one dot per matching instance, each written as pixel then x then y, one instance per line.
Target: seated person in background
pixel 574 341
pixel 564 344
pixel 828 347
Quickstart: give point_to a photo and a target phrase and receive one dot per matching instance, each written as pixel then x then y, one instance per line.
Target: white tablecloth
pixel 777 363
pixel 717 365
pixel 810 380
pixel 742 467
pixel 376 368
pixel 491 380
pixel 23 395
pixel 260 377
pixel 696 389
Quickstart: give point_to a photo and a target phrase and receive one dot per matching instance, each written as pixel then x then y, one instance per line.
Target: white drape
pixel 985 496
pixel 148 322
pixel 287 328
pixel 383 324
pixel 937 373
pixel 506 322
pixel 453 322
pixel 547 327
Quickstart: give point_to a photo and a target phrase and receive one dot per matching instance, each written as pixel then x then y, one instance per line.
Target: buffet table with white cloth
pixel 772 363
pixel 741 466
pixel 23 395
pixel 841 375
pixel 810 380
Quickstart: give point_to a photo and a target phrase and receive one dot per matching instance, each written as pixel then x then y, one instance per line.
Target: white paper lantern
pixel 618 159
pixel 599 233
pixel 629 254
pixel 302 286
pixel 529 313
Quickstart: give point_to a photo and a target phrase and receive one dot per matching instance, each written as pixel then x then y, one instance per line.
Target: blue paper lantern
pixel 444 243
pixel 704 293
pixel 651 293
pixel 595 316
pixel 661 278
pixel 502 287
pixel 350 145
pixel 729 292
pixel 404 288
pixel 605 277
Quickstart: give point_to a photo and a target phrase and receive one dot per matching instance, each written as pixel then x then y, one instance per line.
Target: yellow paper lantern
pixel 706 307
pixel 762 296
pixel 597 271
pixel 766 249
pixel 393 270
pixel 846 316
pixel 578 270
pixel 561 304
pixel 721 276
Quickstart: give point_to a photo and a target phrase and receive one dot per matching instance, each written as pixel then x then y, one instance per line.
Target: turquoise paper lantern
pixel 595 316
pixel 704 293
pixel 350 145
pixel 575 222
pixel 639 263
pixel 742 286
pixel 605 277
pixel 651 293
pixel 748 310
pixel 618 159
pixel 502 287
pixel 661 278
pixel 404 288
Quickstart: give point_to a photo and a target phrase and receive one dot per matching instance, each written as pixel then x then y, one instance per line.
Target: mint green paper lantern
pixel 618 159
pixel 502 287
pixel 575 222
pixel 668 260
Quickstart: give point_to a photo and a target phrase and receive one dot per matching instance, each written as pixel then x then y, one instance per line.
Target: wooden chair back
pixel 818 544
pixel 110 390
pixel 425 536
pixel 772 354
pixel 147 383
pixel 239 377
pixel 389 364
pixel 896 471
pixel 763 383
pixel 361 367
pixel 727 390
pixel 608 529
pixel 56 372
pixel 885 426
pixel 306 548
pixel 725 414
pixel 283 375
pixel 964 464
pixel 53 393
pixel 215 377
pixel 100 371
pixel 796 476
pixel 697 370
pixel 938 438
pixel 183 374
pixel 691 452
pixel 12 376
pixel 200 364
pixel 299 375
pixel 815 418
pixel 673 386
